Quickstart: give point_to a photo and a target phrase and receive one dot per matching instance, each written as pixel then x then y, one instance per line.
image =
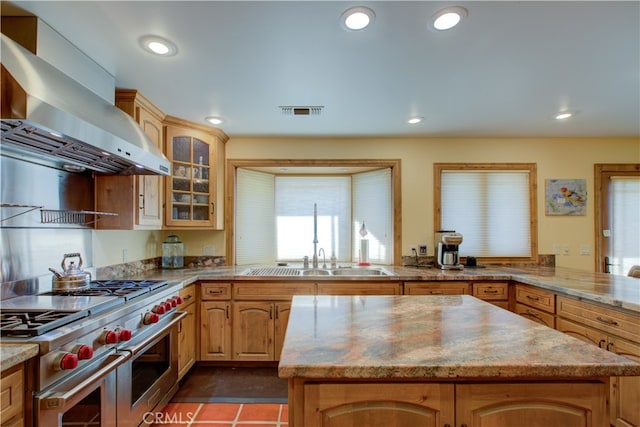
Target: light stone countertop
pixel 431 337
pixel 13 354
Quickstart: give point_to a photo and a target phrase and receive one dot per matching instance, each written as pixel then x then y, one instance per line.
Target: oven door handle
pixel 59 401
pixel 178 316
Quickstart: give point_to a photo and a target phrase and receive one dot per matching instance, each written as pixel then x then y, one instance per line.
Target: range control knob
pixel 83 351
pixel 178 299
pixel 167 306
pixel 66 361
pixel 124 334
pixel 159 309
pixel 173 302
pixel 150 318
pixel 109 337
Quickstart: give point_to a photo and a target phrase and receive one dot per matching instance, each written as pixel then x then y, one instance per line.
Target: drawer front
pixel 437 288
pixel 215 291
pixel 12 394
pixel 188 295
pixel 491 291
pixel 271 291
pixel 368 288
pixel 537 298
pixel 619 323
pixel 535 315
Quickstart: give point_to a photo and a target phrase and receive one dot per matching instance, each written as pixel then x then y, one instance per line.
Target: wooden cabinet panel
pixel 215 330
pixel 187 331
pixel 491 291
pixel 614 322
pixel 535 315
pixel 137 199
pixel 215 291
pixel 437 288
pixel 196 153
pixel 12 396
pixel 388 405
pixel 359 288
pixel 253 330
pixel 282 311
pixel 532 405
pixel 537 298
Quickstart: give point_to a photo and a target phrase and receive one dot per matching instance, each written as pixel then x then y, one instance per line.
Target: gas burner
pixel 36 322
pixel 127 289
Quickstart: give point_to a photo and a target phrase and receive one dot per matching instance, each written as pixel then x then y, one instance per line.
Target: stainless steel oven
pixel 149 378
pixel 86 398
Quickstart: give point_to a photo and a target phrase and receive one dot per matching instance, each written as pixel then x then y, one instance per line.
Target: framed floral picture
pixel 565 196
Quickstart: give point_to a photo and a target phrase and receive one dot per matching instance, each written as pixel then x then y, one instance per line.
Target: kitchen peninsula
pixel 438 360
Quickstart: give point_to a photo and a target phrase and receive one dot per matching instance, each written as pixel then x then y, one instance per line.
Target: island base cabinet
pixel 532 405
pixel 323 403
pixel 390 405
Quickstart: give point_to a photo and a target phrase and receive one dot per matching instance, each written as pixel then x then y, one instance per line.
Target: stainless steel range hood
pixel 51 119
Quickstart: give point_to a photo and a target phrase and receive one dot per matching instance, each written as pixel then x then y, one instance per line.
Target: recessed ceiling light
pixel 415 120
pixel 357 18
pixel 448 18
pixel 158 45
pixel 563 115
pixel 214 120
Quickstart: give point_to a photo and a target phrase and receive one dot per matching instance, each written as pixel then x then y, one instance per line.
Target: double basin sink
pixel 292 271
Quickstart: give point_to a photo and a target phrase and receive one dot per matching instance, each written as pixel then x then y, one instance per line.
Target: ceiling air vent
pixel 295 110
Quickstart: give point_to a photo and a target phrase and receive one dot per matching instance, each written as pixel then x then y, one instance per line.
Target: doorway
pixel 617 217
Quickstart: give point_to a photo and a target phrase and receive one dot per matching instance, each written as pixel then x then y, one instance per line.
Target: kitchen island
pixel 438 360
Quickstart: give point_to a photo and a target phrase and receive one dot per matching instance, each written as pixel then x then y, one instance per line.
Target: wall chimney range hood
pixel 49 118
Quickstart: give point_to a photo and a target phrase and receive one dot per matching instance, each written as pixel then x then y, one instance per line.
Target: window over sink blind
pixel 490 208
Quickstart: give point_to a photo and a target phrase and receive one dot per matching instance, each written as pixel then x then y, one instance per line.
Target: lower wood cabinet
pixel 328 404
pixel 215 330
pixel 604 327
pixel 359 288
pixel 12 396
pixel 258 329
pixel 187 331
pixel 496 293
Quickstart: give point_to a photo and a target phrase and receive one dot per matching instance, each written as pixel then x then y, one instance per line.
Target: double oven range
pixel 107 354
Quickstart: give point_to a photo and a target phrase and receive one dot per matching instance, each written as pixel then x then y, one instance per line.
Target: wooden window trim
pixel 230 200
pixel 533 209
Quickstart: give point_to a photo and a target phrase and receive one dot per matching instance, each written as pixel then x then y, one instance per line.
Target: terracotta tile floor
pixel 223 415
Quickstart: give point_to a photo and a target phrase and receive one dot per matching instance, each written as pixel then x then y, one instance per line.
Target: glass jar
pixel 172 252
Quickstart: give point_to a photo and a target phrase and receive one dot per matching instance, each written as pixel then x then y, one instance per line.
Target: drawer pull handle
pixel 188 297
pixel 601 343
pixel 607 321
pixel 216 291
pixel 486 291
pixel 610 346
pixel 533 298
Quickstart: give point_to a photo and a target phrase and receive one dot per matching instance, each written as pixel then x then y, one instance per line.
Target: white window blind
pixel 295 197
pixel 255 219
pixel 372 203
pixel 490 209
pixel 625 223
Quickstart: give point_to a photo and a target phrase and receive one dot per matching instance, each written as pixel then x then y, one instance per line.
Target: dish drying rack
pixel 51 216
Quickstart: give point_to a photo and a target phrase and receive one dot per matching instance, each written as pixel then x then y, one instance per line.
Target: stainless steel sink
pixel 315 272
pixel 360 272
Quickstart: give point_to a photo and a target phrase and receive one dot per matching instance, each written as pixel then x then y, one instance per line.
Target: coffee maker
pixel 447 250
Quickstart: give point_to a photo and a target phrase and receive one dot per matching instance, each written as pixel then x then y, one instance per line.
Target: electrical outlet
pixel 565 250
pixel 125 255
pixel 585 250
pixel 208 250
pixel 556 249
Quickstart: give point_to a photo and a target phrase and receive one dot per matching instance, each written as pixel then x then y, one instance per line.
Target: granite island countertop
pixel 431 337
pixel 13 354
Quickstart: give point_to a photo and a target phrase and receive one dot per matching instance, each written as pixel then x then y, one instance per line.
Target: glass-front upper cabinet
pixel 192 189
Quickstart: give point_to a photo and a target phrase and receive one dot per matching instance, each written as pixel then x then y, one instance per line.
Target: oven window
pixel 148 367
pixel 85 413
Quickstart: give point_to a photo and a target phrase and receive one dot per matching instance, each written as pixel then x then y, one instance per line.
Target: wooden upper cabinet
pixel 137 199
pixel 194 191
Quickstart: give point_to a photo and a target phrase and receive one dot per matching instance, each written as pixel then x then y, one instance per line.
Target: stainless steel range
pixel 105 350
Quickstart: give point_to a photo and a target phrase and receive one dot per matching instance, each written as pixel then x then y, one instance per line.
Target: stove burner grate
pixel 36 322
pixel 127 289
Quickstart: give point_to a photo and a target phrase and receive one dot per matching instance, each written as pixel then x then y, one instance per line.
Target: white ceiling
pixel 502 73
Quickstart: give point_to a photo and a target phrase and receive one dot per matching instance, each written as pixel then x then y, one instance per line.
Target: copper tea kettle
pixel 72 278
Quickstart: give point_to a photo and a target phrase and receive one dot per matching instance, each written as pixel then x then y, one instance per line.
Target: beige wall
pixel 556 158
